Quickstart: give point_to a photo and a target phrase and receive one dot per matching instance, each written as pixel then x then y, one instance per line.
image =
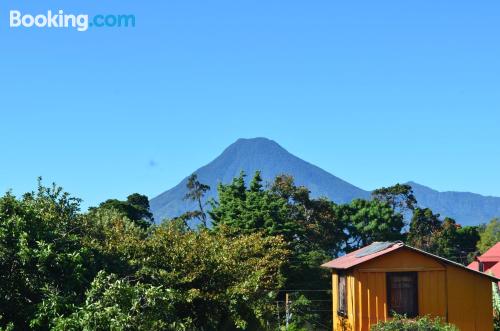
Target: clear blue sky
pixel 376 92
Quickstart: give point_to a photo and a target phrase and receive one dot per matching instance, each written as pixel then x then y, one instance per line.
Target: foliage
pixel 468 237
pixel 111 269
pixel 119 304
pixel 308 226
pixel 196 191
pixel 444 238
pixel 489 236
pixel 423 225
pixel 400 197
pixel 102 271
pixel 253 209
pixel 314 229
pixel 496 306
pixel 399 323
pixel 40 252
pixel 135 208
pixel 227 283
pixel 370 221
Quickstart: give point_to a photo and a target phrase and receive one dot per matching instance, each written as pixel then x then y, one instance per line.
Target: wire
pixel 305 290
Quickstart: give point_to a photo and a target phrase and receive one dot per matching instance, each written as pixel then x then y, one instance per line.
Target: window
pixel 342 295
pixel 402 290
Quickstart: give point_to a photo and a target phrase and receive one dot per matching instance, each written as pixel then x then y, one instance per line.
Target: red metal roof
pixel 495 270
pixel 488 258
pixel 350 260
pixel 354 258
pixel 491 255
pixel 474 265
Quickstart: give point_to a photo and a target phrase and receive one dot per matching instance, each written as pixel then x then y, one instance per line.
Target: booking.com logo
pixel 81 22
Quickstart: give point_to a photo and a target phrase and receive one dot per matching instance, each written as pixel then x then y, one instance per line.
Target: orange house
pixel 372 283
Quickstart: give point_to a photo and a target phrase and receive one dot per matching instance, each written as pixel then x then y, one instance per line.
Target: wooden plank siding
pixel 446 291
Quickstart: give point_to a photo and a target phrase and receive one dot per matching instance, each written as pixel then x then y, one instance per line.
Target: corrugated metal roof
pixel 488 258
pixel 355 258
pixel 350 260
pixel 495 270
pixel 491 255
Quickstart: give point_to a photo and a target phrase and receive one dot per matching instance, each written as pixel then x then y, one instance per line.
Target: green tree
pixel 227 282
pixel 369 221
pixel 40 254
pixel 489 236
pixel 446 241
pixel 253 209
pixel 423 225
pixel 135 208
pixel 63 269
pixel 196 192
pixel 114 303
pixel 444 238
pixel 400 197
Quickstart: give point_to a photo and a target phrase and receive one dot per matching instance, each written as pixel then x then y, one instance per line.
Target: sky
pixel 375 92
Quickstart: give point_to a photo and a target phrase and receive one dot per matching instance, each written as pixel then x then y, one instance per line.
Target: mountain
pixel 249 155
pixel 271 159
pixel 466 208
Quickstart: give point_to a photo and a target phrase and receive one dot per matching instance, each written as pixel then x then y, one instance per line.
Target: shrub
pixel 400 323
pixel 496 307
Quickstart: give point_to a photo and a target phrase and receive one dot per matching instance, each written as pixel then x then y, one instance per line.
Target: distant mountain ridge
pixel 465 207
pixel 271 159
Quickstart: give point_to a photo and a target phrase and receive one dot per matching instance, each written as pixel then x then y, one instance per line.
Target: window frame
pixel 414 275
pixel 342 301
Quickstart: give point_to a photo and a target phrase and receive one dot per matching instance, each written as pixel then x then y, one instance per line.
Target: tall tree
pixel 400 197
pixel 246 210
pixel 468 237
pixel 369 221
pixel 135 208
pixel 446 241
pixel 196 192
pixel 423 225
pixel 489 236
pixel 64 270
pixel 308 226
pixel 40 254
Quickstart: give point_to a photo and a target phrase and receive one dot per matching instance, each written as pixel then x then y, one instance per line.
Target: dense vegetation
pixel 112 268
pixel 425 323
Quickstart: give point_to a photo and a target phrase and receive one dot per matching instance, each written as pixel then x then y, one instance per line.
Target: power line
pixel 305 290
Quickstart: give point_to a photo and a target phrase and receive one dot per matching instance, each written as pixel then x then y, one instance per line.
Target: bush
pixel 400 323
pixel 496 307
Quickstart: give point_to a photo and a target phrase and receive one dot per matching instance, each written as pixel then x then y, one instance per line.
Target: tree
pixel 141 204
pixel 253 209
pixel 308 226
pixel 63 269
pixel 446 241
pixel 444 238
pixel 40 254
pixel 135 208
pixel 369 221
pixel 423 225
pixel 400 197
pixel 489 236
pixel 227 281
pixel 196 192
pixel 468 237
pixel 114 303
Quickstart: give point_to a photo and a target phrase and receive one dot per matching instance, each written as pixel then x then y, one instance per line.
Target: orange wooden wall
pixel 454 294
